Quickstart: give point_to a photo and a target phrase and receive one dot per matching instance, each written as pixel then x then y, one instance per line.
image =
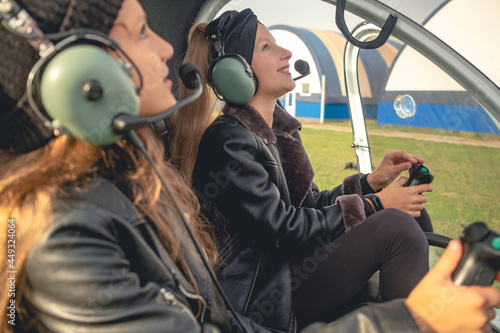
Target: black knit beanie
pixel 237 33
pixel 21 130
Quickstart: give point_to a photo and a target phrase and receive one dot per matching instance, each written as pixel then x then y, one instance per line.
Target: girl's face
pixel 270 64
pixel 149 52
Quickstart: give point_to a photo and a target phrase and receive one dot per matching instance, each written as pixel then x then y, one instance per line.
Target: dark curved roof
pixel 172 19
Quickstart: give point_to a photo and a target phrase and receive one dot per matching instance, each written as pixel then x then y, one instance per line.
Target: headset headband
pixel 218 44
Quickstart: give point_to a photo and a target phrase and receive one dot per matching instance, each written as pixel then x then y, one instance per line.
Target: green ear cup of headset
pixel 83 88
pixel 233 80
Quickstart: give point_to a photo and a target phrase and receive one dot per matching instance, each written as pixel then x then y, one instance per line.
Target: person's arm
pixel 353 184
pixel 438 305
pixel 79 279
pixel 395 196
pixel 391 193
pixel 230 174
pixel 324 198
pixel 393 163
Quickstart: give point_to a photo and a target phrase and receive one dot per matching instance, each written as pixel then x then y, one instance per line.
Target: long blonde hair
pixel 189 123
pixel 31 183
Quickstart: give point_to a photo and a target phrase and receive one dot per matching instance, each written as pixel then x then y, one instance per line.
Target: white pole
pixel 322 111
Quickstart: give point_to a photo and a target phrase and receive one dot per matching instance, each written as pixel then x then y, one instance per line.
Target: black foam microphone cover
pixel 190 75
pixel 302 67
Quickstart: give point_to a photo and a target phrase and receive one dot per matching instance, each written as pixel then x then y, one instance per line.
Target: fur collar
pixel 283 122
pixel 296 166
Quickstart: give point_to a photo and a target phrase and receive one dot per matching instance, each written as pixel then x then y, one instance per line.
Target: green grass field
pixel 466 184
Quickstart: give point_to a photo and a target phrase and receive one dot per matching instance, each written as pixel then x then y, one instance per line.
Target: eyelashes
pixel 144 31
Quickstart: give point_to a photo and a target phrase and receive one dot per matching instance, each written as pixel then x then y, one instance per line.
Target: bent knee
pixel 392 215
pixel 399 224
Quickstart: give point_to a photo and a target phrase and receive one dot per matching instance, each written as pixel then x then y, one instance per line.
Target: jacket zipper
pixel 172 300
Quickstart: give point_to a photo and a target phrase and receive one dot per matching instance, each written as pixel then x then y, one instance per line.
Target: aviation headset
pixel 230 75
pixel 76 82
pixel 83 100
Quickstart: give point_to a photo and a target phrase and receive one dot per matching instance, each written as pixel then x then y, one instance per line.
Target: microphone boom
pixel 303 68
pixel 190 76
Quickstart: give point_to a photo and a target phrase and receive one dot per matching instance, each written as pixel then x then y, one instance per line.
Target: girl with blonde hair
pixel 287 250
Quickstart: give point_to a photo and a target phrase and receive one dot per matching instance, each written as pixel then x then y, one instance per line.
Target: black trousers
pixel 328 281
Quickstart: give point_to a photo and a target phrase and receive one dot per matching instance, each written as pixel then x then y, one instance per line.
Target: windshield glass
pixel 409 103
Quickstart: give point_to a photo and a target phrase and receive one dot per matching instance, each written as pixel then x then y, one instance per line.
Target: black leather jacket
pixel 100 268
pixel 256 185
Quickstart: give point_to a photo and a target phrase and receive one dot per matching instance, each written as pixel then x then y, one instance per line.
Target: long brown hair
pixel 189 123
pixel 31 183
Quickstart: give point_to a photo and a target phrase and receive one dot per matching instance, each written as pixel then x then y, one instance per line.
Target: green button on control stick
pixel 496 243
